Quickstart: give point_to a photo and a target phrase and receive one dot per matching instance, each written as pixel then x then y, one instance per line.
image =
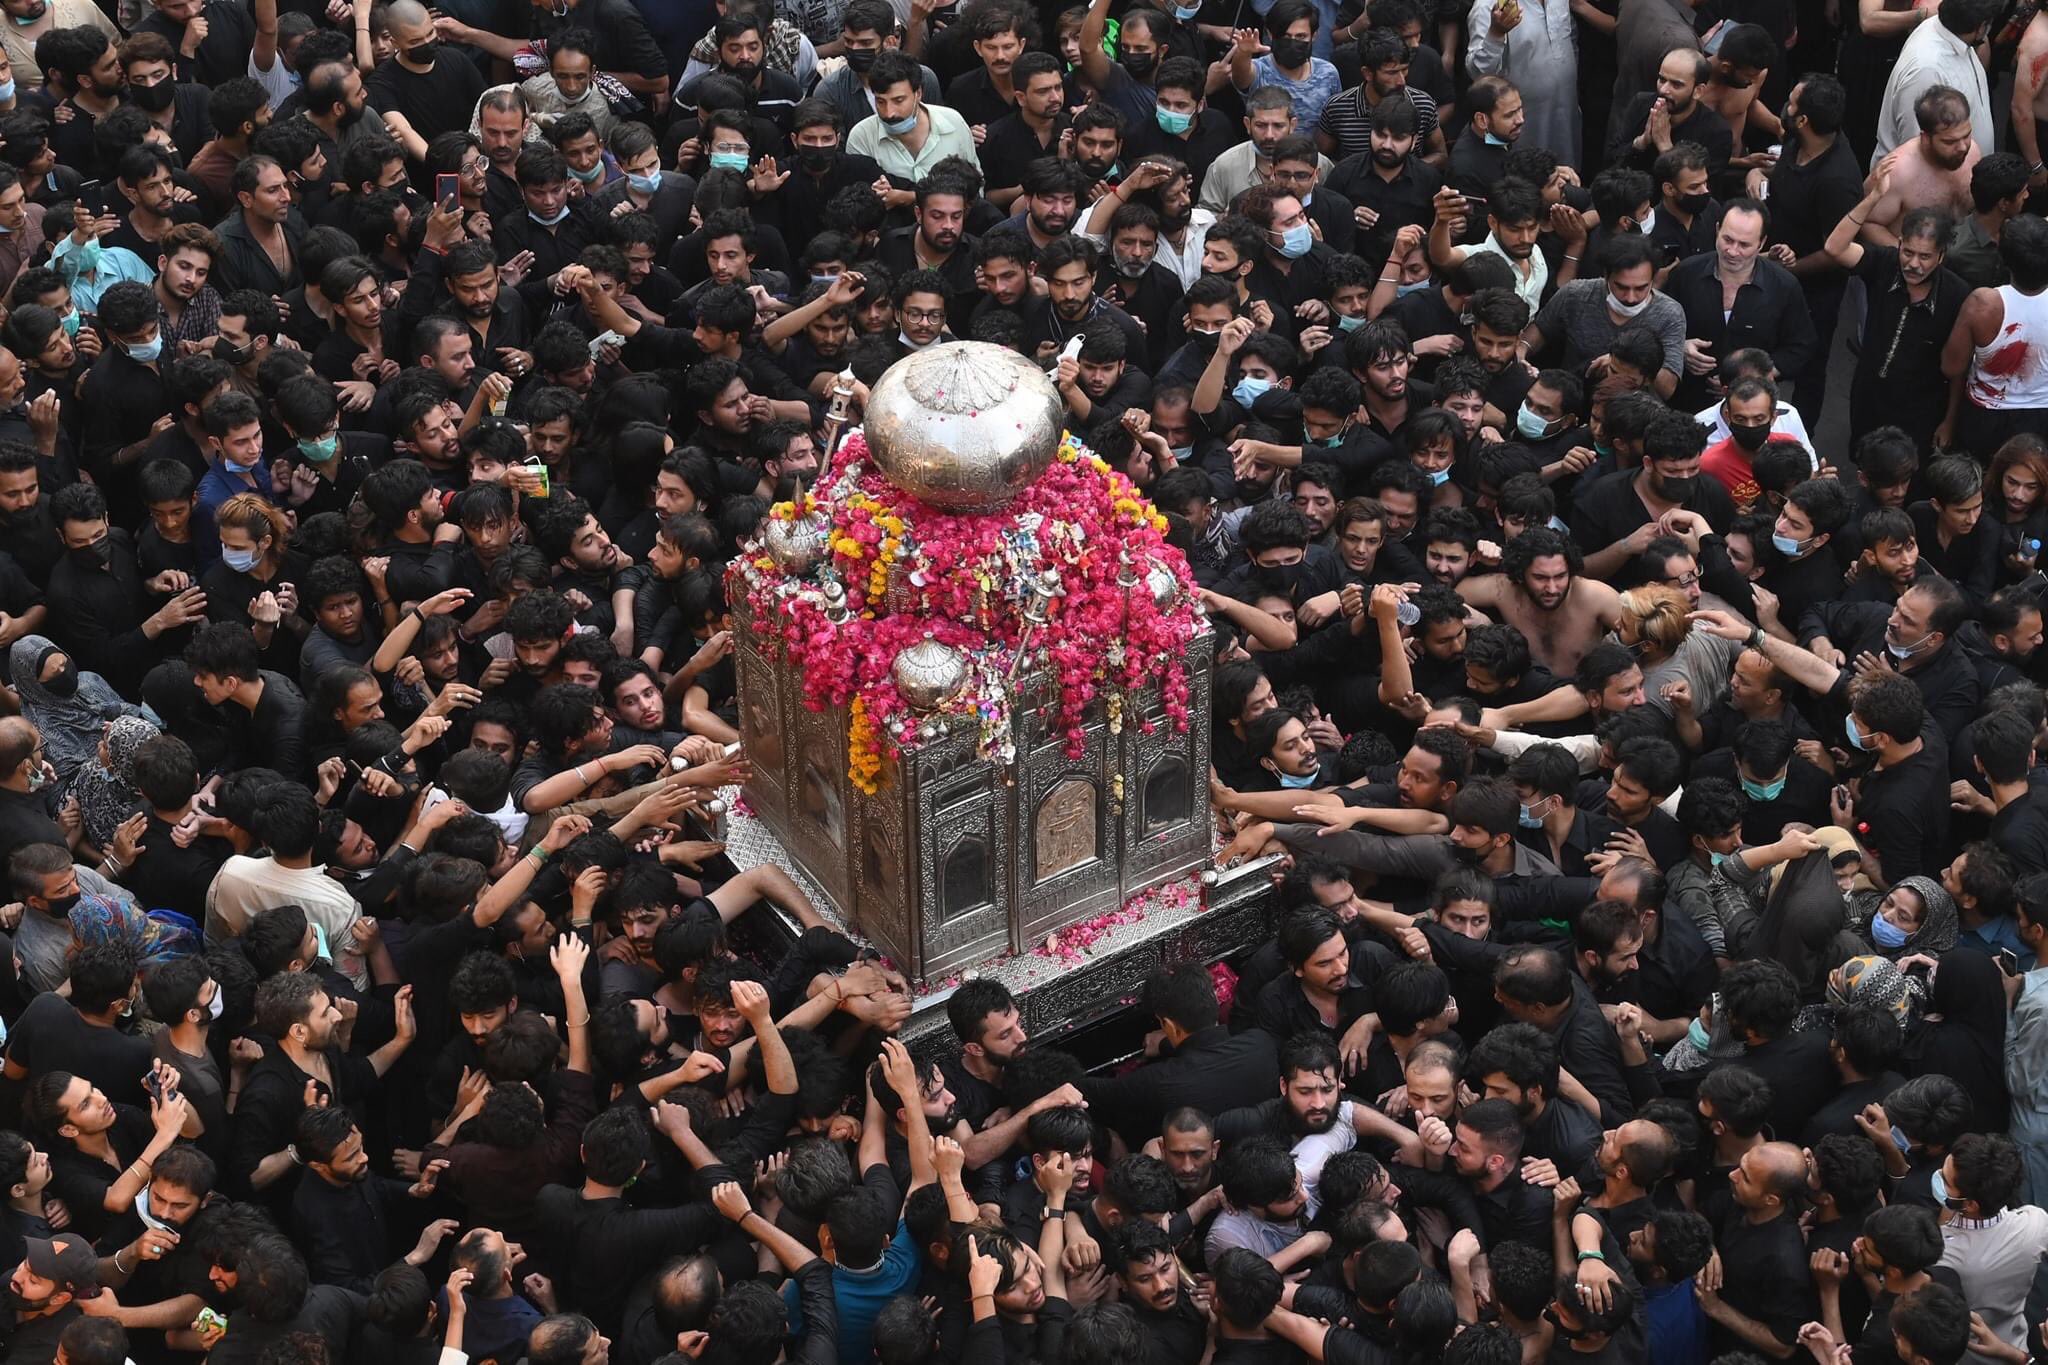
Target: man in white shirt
pixel 287 820
pixel 1991 1241
pixel 1941 51
pixel 906 136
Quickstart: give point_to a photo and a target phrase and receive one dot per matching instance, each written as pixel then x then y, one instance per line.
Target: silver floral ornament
pixel 929 674
pixel 796 544
pixel 1162 584
pixel 965 426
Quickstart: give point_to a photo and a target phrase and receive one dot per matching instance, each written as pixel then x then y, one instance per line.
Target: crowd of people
pixel 1644 746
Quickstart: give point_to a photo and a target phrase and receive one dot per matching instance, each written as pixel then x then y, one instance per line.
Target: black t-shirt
pixel 1906 809
pixel 52 1036
pixel 435 100
pixel 1767 1276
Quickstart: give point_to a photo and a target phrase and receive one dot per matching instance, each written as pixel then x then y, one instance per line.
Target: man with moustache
pixel 44 1291
pixel 1542 591
pixel 1312 1114
pixel 341 1217
pixel 1930 172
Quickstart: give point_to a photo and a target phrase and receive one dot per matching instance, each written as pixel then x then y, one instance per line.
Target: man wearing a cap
pixel 44 1291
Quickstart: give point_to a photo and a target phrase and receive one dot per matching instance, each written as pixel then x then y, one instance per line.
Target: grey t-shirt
pixel 1578 314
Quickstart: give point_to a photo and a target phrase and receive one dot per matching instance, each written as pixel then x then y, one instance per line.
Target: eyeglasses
pixel 925 314
pixel 1689 580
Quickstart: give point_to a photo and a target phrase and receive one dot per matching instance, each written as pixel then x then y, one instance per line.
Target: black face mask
pixel 97 555
pixel 1140 63
pixel 1281 579
pixel 1291 52
pixel 153 98
pixel 65 684
pixel 1750 438
pixel 424 54
pixel 817 160
pixel 60 906
pixel 1694 203
pixel 1469 857
pixel 1678 490
pixel 860 59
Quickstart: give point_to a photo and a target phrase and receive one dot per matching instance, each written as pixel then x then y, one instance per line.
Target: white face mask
pixel 150 1220
pixel 215 1006
pixel 1626 310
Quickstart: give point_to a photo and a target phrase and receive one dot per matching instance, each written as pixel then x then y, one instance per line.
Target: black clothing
pixel 1770 312
pixel 1212 1071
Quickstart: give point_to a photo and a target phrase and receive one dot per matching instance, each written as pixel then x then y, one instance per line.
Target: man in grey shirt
pixel 1586 314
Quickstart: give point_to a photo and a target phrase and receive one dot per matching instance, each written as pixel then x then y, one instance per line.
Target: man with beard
pixel 1514 220
pixel 1390 188
pixel 1027 132
pixel 984 1018
pixel 1655 121
pixel 1542 592
pixel 587 561
pixel 1051 195
pixel 1615 519
pixel 461 282
pixel 1068 267
pixel 938 241
pixel 341 1216
pixel 304 1068
pixel 1486 1151
pixel 84 77
pixel 421 542
pixel 1172 1327
pixel 1587 314
pixel 1518 1063
pixel 44 1292
pixel 1312 1115
pixel 26 531
pixel 1930 172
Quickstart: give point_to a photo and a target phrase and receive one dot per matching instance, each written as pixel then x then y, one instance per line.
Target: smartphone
pixel 153 1087
pixel 2008 961
pixel 93 196
pixel 448 191
pixel 1472 198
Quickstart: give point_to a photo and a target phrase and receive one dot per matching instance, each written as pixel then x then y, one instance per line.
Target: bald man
pixel 1766 1290
pixel 26 780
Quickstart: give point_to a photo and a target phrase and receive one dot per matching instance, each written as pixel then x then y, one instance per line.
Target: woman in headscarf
pixel 105 787
pixel 69 709
pixel 1963 1036
pixel 1915 916
pixel 1871 980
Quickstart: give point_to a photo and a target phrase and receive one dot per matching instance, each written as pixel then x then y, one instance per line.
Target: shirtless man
pixel 1742 66
pixel 1932 171
pixel 1539 592
pixel 2030 97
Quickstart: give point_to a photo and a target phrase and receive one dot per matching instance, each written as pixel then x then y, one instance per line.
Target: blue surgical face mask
pixel 1185 12
pixel 649 183
pixel 1696 1034
pixel 241 561
pixel 7 90
pixel 1402 291
pixel 1786 545
pixel 825 280
pixel 1938 1187
pixel 1718 858
pixel 322 450
pixel 1531 424
pixel 898 127
pixel 320 948
pixel 1171 122
pixel 1885 934
pixel 148 351
pixel 1331 442
pixel 149 1220
pixel 1305 780
pixel 560 214
pixel 1493 141
pixel 1763 791
pixel 1249 388
pixel 728 161
pixel 1439 477
pixel 1296 241
pixel 1350 324
pixel 72 321
pixel 1183 452
pixel 1908 651
pixel 593 175
pixel 1528 817
pixel 1855 738
pixel 1901 1141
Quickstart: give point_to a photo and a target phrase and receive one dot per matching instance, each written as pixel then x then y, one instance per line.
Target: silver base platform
pixel 1087 972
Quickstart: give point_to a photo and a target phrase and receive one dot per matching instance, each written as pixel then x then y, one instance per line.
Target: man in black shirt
pixel 1765 1292
pixel 1202 1065
pixel 266 714
pixel 1486 1150
pixel 1656 121
pixel 432 86
pixel 1814 184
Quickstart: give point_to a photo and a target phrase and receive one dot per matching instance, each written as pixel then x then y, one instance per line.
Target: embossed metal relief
pixel 1064 832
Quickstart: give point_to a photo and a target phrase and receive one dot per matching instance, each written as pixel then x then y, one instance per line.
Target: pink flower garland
pixel 950 576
